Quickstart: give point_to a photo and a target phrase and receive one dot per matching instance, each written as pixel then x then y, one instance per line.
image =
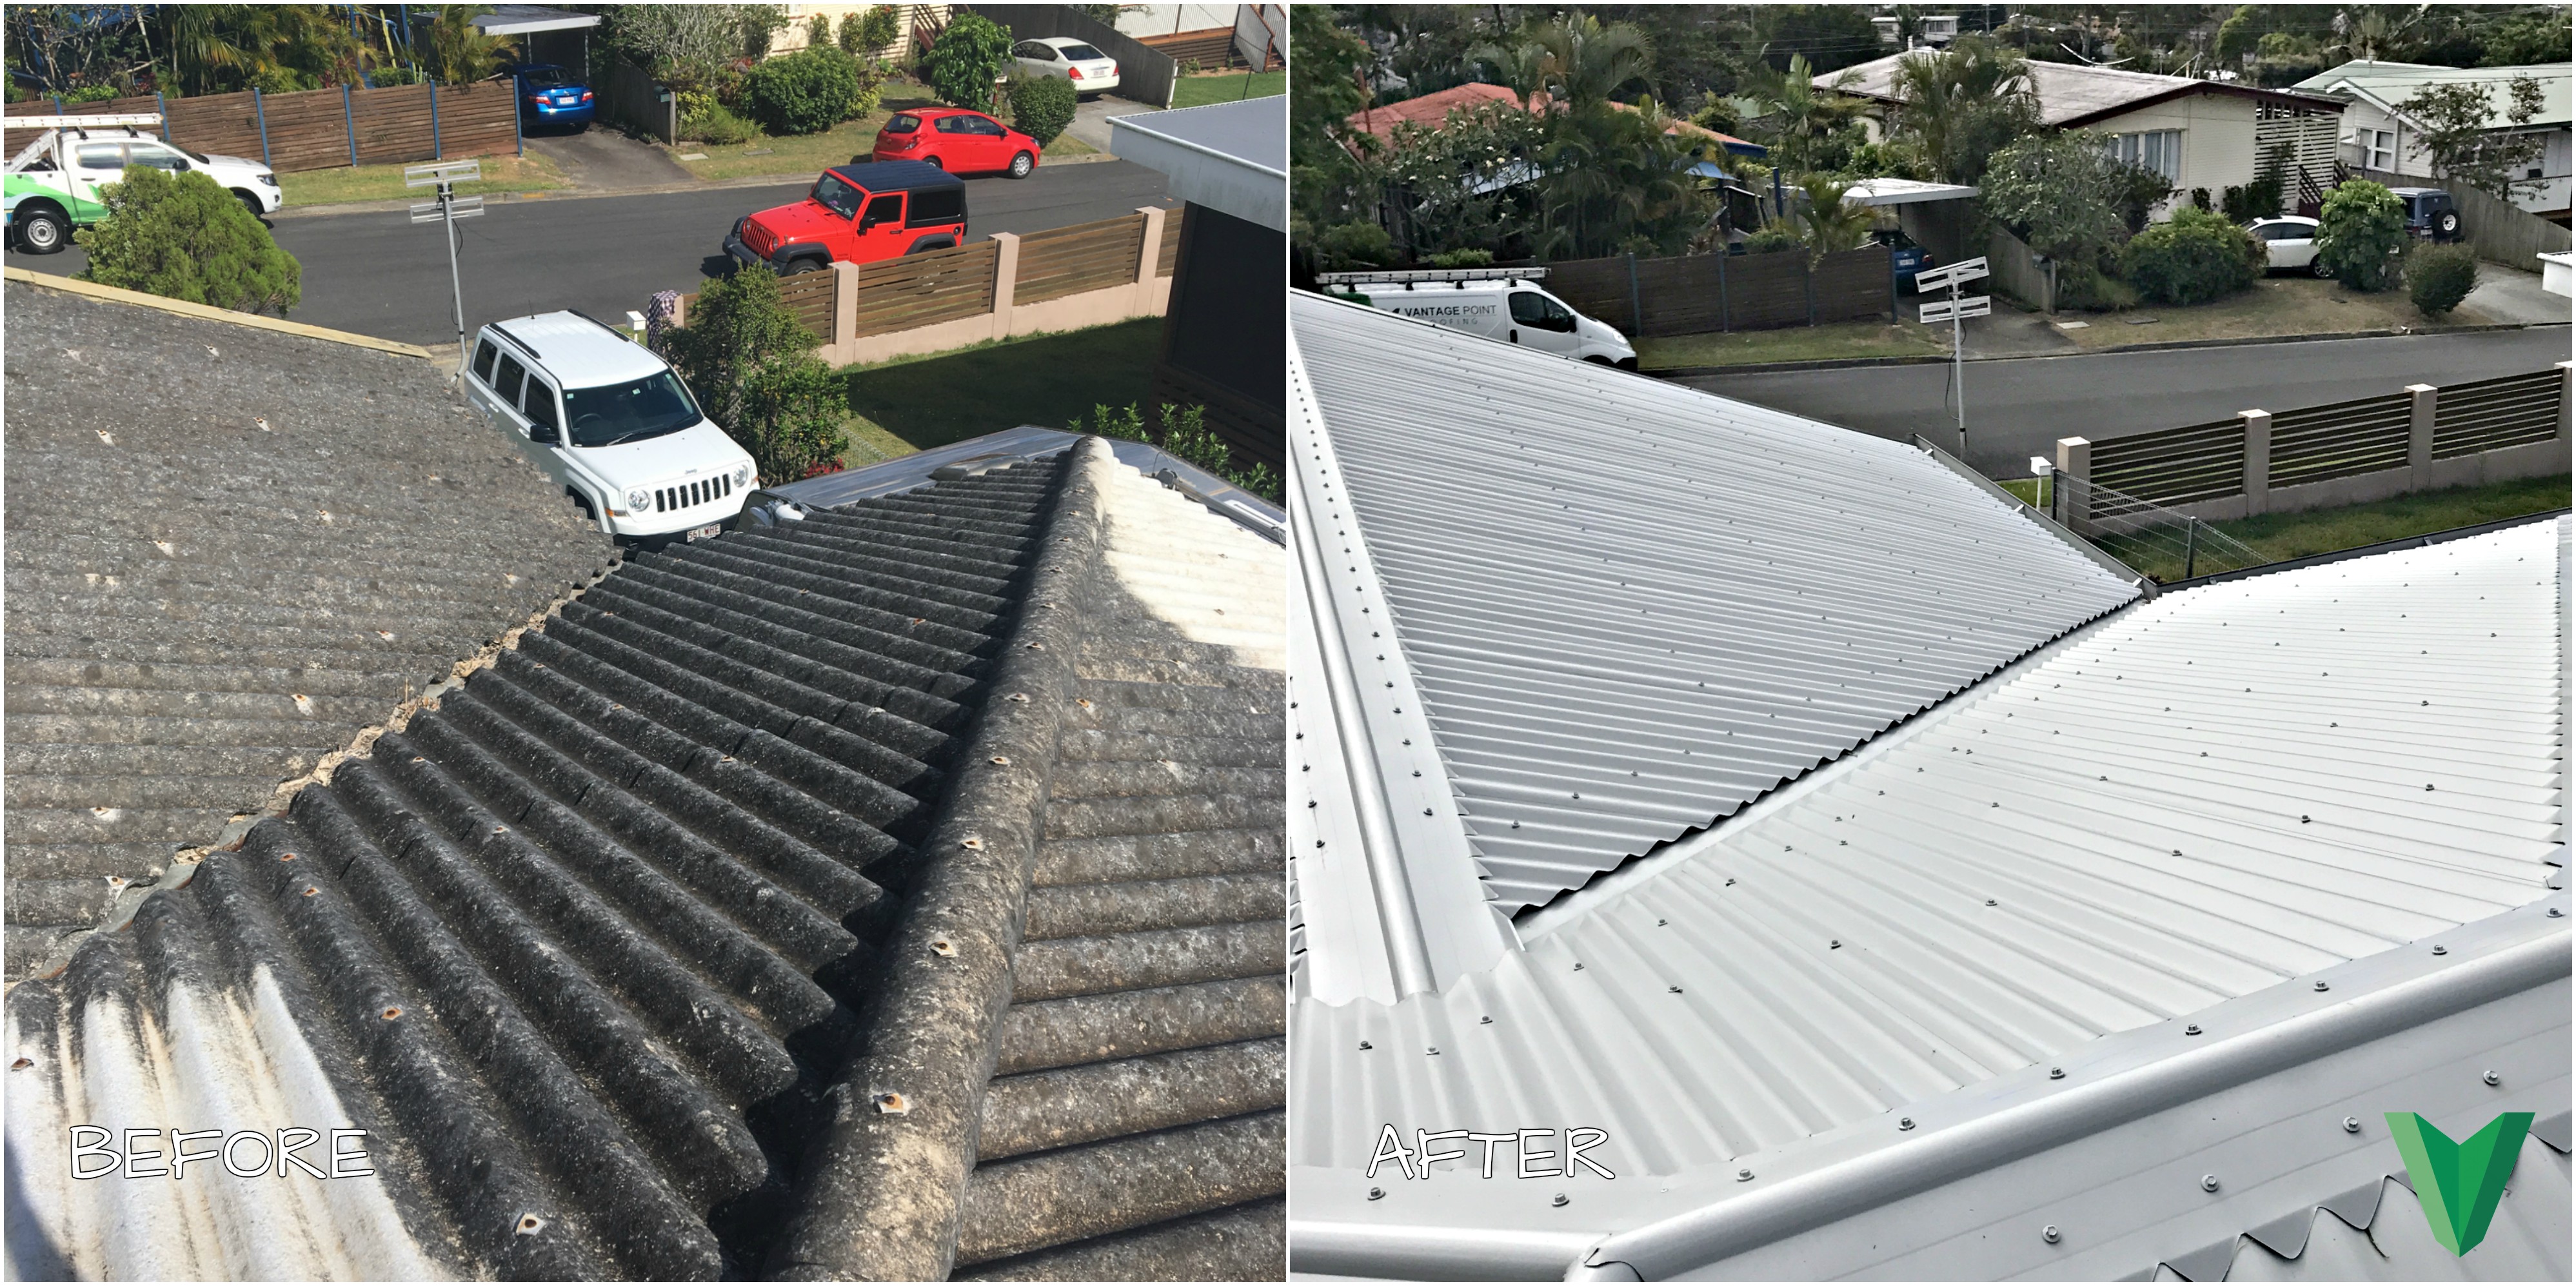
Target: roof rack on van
pixel 1434 274
pixel 504 333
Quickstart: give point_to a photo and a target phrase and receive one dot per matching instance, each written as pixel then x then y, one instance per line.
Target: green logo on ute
pixel 2459 1183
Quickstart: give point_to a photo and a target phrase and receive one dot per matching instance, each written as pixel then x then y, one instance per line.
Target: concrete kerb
pixel 120 295
pixel 1851 363
pixel 888 1177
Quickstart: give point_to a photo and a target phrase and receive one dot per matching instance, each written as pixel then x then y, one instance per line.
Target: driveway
pixel 1091 118
pixel 375 273
pixel 601 159
pixel 2019 408
pixel 2511 296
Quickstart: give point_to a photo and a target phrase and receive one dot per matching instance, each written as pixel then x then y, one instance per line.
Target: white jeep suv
pixel 611 423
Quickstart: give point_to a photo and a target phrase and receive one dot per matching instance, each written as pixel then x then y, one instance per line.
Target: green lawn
pixel 2284 305
pixel 1840 340
pixel 2279 537
pixel 1226 87
pixel 802 154
pixel 529 173
pixel 915 403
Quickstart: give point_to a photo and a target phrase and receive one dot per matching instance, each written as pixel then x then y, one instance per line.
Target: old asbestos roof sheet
pixel 2295 839
pixel 646 945
pixel 2069 93
pixel 2392 83
pixel 1628 608
pixel 229 550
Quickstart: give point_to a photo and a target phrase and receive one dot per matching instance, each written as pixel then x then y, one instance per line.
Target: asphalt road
pixel 375 273
pixel 2020 407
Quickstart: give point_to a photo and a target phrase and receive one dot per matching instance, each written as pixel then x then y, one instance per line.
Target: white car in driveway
pixel 612 424
pixel 2291 242
pixel 1090 70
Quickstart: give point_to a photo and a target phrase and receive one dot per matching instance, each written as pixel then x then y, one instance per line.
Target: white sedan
pixel 1090 70
pixel 2291 241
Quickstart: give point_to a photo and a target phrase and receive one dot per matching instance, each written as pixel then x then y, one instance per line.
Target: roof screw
pixel 891 1103
pixel 22 1064
pixel 2321 985
pixel 2191 1030
pixel 530 1225
pixel 1486 1021
pixel 1366 1045
pixel 2049 1234
pixel 2057 1073
pixel 1744 1176
pixel 1376 1194
pixel 942 946
pixel 1434 1049
pixel 2493 1078
pixel 2555 912
pixel 1557 1200
pixel 971 841
pixel 2209 1183
pixel 1675 990
pixel 1990 901
pixel 1905 1122
pixel 1001 759
pixel 286 857
pixel 392 1012
pixel 2352 1125
pixel 2440 950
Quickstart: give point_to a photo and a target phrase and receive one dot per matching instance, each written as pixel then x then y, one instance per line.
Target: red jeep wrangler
pixel 858 213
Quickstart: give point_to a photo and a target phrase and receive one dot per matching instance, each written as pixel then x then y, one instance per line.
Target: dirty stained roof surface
pixel 1631 608
pixel 2071 94
pixel 588 947
pixel 229 550
pixel 2246 805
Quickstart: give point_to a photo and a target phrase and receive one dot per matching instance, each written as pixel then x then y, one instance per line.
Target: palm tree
pixel 1574 60
pixel 453 51
pixel 1947 97
pixel 1791 111
pixel 1827 223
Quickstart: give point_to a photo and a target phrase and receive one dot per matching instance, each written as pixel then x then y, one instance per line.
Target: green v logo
pixel 2459 1183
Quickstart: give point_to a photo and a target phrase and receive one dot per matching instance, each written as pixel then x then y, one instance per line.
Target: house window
pixel 2157 150
pixel 2378 149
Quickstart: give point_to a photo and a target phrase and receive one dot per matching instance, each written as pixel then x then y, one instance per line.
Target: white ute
pixel 1497 303
pixel 611 423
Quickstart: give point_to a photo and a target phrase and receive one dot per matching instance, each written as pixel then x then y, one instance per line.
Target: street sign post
pixel 445 211
pixel 1954 310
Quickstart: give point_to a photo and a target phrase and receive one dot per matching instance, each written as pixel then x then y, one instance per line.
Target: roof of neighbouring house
pixel 702 908
pixel 1602 612
pixel 2191 888
pixel 2390 84
pixel 1431 111
pixel 230 550
pixel 2071 94
pixel 521 19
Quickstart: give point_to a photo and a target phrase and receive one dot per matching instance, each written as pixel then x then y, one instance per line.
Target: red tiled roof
pixel 1431 111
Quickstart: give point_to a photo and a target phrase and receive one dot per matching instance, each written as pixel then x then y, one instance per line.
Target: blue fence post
pixel 518 128
pixel 436 153
pixel 349 120
pixel 260 110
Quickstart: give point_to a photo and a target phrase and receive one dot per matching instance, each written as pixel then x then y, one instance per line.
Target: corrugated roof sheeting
pixel 229 550
pixel 1135 1128
pixel 586 942
pixel 1633 607
pixel 2392 1242
pixel 2206 795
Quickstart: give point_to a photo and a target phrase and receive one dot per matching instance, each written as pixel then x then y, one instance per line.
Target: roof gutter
pixel 1701 1237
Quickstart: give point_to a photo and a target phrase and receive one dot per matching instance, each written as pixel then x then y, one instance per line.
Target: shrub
pixel 2200 199
pixel 2359 234
pixel 388 77
pixel 1347 246
pixel 2191 259
pixel 862 34
pixel 181 236
pixel 1772 239
pixel 89 94
pixel 966 59
pixel 2438 277
pixel 752 365
pixel 806 92
pixel 1041 106
pixel 1463 259
pixel 2084 288
pixel 713 124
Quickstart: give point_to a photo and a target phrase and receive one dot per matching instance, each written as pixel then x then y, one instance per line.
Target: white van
pixel 612 424
pixel 1497 303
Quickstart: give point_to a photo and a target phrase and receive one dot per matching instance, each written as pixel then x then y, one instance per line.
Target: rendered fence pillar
pixel 845 310
pixel 2566 397
pixel 2258 461
pixel 2423 402
pixel 1006 278
pixel 2074 503
pixel 1148 253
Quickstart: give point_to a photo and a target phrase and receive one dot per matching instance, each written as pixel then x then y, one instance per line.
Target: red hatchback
pixel 958 141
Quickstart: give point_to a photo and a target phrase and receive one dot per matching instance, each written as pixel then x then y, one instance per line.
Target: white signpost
pixel 446 210
pixel 1954 310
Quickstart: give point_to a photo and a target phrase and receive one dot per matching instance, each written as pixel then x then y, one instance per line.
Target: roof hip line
pixel 884 1187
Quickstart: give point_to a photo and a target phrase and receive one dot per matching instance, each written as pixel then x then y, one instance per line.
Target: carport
pixel 534 21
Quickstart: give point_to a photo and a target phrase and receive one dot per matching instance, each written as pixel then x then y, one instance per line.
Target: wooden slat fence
pixel 1167 259
pixel 918 290
pixel 312 129
pixel 2488 415
pixel 2340 439
pixel 808 296
pixel 1696 294
pixel 1211 48
pixel 2175 466
pixel 1085 256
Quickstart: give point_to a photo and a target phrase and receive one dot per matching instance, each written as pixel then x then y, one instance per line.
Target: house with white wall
pixel 2202 135
pixel 2379 136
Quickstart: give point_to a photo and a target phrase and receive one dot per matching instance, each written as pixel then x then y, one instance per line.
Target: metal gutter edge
pixel 2146 587
pixel 1400 1252
pixel 120 295
pixel 2365 551
pixel 883 1187
pixel 1703 1236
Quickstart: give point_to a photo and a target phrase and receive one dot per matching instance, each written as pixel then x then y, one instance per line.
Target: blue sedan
pixel 549 95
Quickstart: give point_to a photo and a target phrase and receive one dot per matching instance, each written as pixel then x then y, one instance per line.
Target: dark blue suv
pixel 549 95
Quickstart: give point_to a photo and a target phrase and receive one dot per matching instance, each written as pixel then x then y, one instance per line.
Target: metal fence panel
pixel 2489 415
pixel 2340 439
pixel 2175 466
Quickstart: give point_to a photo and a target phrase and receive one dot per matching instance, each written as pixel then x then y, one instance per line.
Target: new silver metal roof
pixel 2232 813
pixel 1629 607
